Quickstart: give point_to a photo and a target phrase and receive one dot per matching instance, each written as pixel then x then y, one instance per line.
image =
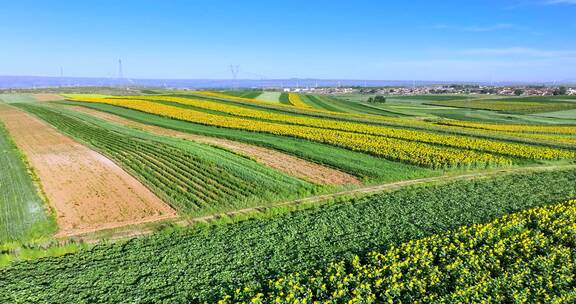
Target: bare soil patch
pixel 87 191
pixel 47 97
pixel 280 161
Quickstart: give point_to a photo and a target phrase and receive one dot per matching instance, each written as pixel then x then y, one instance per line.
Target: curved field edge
pixel 403 150
pixel 277 160
pixel 407 146
pixel 372 169
pixel 204 263
pixel 24 216
pixel 85 189
pixel 194 178
pixel 525 256
pixel 436 126
pixel 409 124
pixel 467 142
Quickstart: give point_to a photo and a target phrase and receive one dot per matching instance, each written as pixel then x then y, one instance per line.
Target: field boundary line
pixel 375 189
pixel 137 230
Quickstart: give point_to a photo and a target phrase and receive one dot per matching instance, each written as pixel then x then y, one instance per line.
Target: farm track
pixel 88 191
pixel 288 164
pixel 139 230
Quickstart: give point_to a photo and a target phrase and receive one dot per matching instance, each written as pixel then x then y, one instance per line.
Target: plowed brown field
pixel 280 161
pixel 47 97
pixel 87 191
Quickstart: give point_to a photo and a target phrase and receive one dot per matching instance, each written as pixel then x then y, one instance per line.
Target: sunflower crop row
pixel 452 125
pixel 395 120
pixel 507 106
pixel 296 101
pixel 395 149
pixel 514 128
pixel 444 126
pixel 485 145
pixel 541 138
pixel 526 257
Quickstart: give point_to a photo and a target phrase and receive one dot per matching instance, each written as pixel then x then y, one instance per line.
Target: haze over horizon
pixel 528 41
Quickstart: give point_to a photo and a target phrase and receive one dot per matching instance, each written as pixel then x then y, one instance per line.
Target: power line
pixel 120 71
pixel 234 69
pixel 61 76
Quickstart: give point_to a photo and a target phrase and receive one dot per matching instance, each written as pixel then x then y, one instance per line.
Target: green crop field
pixel 204 263
pixel 510 105
pixel 565 114
pixel 372 169
pixel 450 267
pixel 344 106
pixel 14 98
pixel 269 96
pixel 284 99
pixel 196 179
pixel 418 147
pixel 244 93
pixel 23 216
pixel 245 231
pixel 242 152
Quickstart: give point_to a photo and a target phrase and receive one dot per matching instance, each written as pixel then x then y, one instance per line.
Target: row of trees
pixel 377 99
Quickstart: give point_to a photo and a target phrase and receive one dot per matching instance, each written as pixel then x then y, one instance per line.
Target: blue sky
pixel 392 40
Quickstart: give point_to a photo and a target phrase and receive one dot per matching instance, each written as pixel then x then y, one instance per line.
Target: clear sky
pixel 530 40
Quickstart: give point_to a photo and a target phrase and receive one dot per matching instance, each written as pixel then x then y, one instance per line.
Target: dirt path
pixel 387 187
pixel 87 191
pixel 282 162
pixel 135 231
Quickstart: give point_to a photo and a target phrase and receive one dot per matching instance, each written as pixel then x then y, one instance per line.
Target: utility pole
pixel 120 71
pixel 61 77
pixel 234 69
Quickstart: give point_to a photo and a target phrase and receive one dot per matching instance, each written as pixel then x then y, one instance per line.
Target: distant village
pixel 448 89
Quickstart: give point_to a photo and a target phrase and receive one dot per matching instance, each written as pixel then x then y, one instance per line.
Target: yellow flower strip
pixel 412 122
pixel 514 128
pixel 485 145
pixel 446 125
pixel 296 101
pixel 407 151
pixel 499 105
pixel 523 257
pixel 543 137
pixel 308 109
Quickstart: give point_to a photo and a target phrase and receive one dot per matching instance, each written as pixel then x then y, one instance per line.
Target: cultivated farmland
pixel 256 197
pixel 188 177
pixel 22 211
pixel 269 157
pixel 88 191
pixel 205 263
